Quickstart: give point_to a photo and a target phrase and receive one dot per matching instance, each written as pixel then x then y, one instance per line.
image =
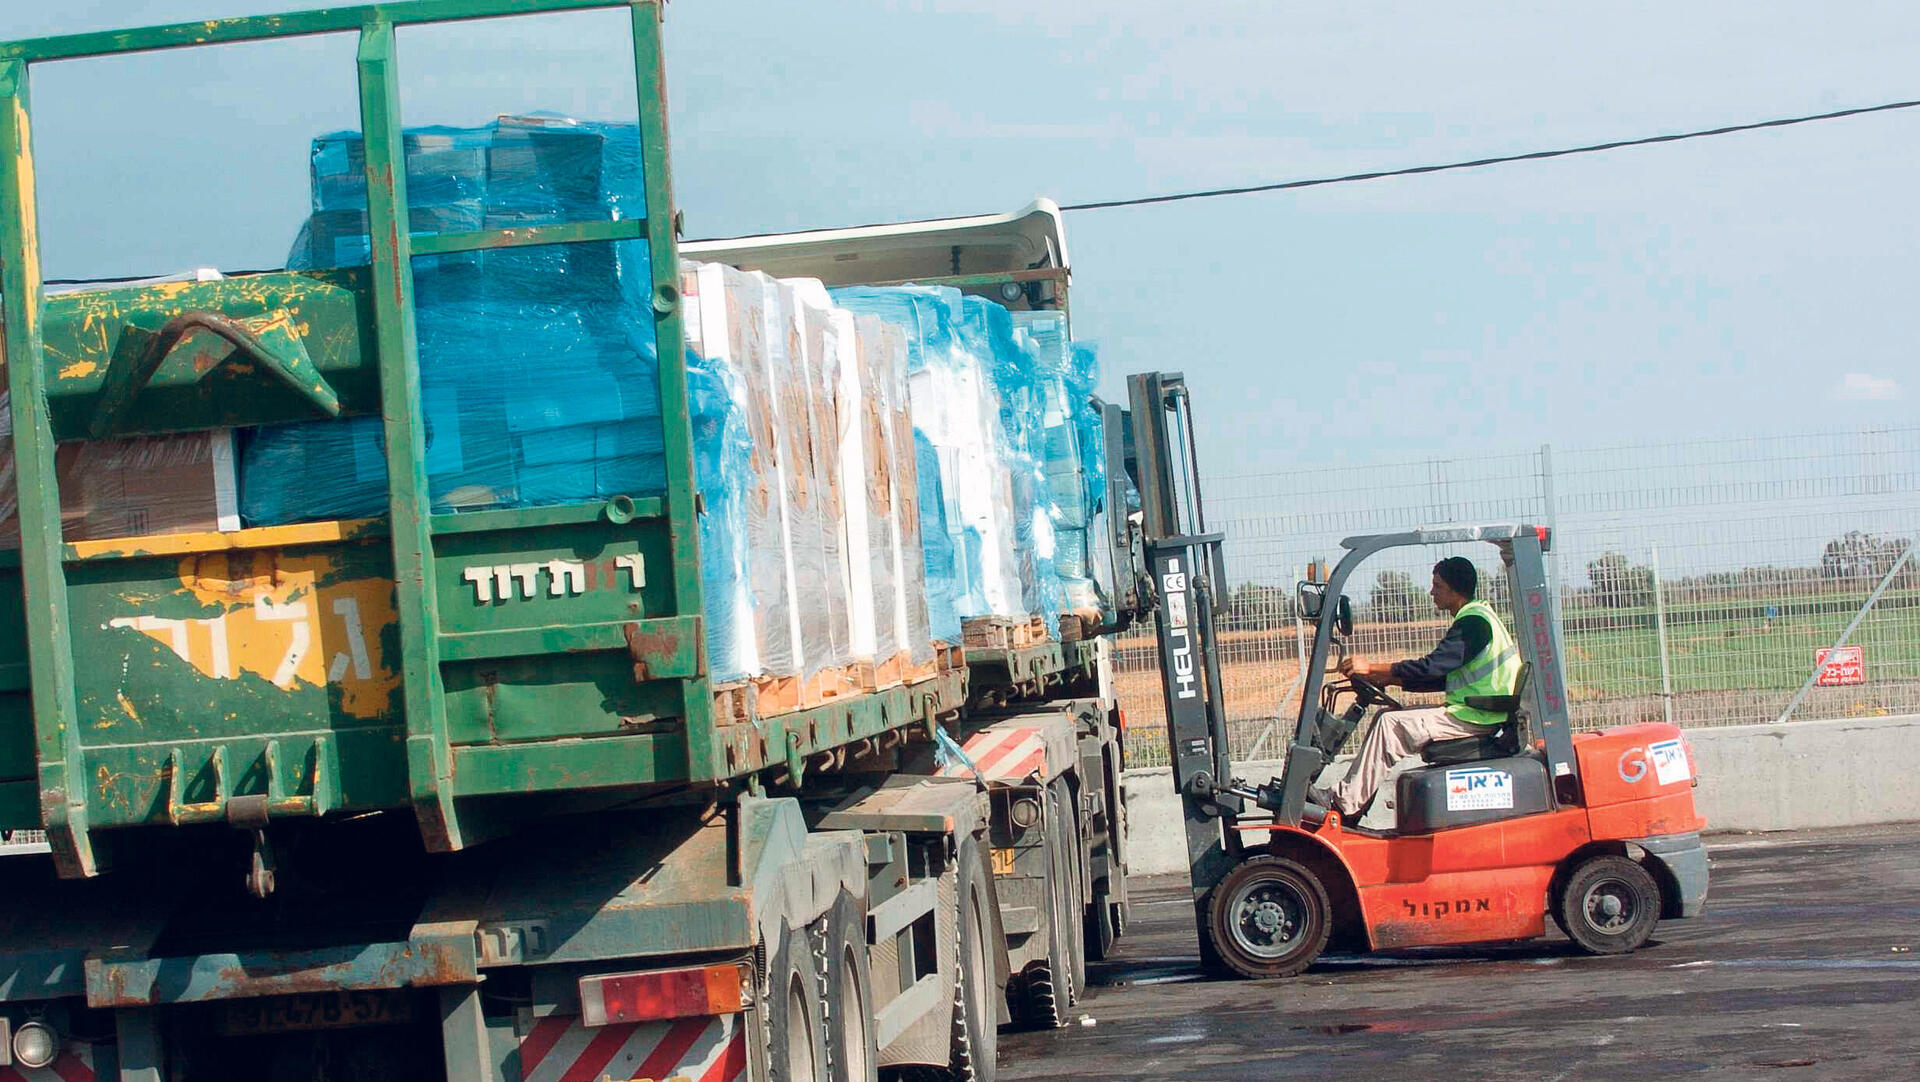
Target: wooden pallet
pixel 777 695
pixel 950 657
pixel 733 704
pixel 885 674
pixel 1075 626
pixel 945 659
pixel 1032 633
pixel 988 633
pixel 831 684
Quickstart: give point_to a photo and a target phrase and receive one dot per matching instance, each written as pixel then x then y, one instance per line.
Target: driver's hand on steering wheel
pixel 1379 675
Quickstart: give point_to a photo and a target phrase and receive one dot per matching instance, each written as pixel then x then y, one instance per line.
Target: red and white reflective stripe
pixel 560 1049
pixel 1011 755
pixel 73 1064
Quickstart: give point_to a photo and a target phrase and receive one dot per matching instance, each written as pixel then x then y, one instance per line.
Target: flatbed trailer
pixel 449 794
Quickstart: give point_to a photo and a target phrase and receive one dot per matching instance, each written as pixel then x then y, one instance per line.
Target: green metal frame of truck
pixel 315 811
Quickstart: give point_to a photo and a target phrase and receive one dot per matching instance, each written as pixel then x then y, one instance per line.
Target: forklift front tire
pixel 1609 905
pixel 1269 918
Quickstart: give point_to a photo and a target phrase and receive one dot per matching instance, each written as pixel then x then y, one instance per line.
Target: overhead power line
pixel 1477 163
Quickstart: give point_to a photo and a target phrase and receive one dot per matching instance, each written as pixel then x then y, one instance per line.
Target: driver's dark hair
pixel 1459 573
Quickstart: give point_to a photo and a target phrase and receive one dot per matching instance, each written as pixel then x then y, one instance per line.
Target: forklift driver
pixel 1476 657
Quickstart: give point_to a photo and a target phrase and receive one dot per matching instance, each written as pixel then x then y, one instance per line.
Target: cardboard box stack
pixel 112 489
pixel 538 367
pixel 811 466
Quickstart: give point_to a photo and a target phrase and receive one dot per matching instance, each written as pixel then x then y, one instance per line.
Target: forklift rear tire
pixel 1609 906
pixel 1269 918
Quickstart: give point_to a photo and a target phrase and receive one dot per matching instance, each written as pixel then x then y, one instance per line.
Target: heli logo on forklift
pixel 1479 788
pixel 1669 762
pixel 1173 587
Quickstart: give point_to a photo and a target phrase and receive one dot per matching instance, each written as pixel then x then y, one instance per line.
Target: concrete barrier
pixel 1797 776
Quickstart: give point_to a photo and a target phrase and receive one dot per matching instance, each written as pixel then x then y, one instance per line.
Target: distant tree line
pixel 1856 561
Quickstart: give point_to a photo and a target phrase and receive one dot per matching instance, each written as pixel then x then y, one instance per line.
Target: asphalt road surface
pixel 1806 965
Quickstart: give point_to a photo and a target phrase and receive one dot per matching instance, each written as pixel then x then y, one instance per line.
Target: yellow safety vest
pixel 1493 671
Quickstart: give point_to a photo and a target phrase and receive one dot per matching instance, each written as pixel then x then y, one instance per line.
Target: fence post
pixel 1660 627
pixel 1553 531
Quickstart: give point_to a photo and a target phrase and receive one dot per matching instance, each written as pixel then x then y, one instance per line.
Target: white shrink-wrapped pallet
pixel 736 329
pixel 865 471
pixel 819 538
pixel 789 420
pixel 911 619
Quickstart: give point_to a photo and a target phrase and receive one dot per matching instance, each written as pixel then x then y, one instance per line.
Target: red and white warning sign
pixel 1847 665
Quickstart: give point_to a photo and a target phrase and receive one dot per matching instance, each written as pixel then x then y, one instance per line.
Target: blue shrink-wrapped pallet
pixel 957 409
pixel 943 618
pixel 722 448
pixel 538 366
pixel 1013 366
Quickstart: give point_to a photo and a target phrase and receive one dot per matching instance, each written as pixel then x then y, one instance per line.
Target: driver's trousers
pixel 1395 735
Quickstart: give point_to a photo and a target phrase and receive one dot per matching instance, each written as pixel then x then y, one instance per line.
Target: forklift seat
pixel 1498 741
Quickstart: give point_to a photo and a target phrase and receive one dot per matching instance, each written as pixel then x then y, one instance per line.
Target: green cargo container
pixel 454 663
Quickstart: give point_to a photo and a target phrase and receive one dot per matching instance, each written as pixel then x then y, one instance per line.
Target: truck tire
pixel 976 1031
pixel 1269 918
pixel 795 1031
pixel 1075 886
pixel 851 1048
pixel 1609 905
pixel 1046 985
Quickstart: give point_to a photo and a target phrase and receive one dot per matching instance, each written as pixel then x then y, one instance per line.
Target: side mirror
pixel 1311 598
pixel 1343 617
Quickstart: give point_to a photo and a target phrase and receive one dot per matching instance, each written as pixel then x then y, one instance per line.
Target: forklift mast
pixel 1185 582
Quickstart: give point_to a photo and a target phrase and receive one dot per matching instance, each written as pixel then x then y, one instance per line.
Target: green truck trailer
pixel 284 803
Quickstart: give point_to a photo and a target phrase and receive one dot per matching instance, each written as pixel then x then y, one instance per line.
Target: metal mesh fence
pixel 1698 581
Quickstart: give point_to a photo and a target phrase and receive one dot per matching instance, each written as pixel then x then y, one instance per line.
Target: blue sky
pixel 1752 284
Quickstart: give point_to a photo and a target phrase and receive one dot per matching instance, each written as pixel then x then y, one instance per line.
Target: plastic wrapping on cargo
pixel 538 366
pixel 957 409
pixel 1059 438
pixel 1092 425
pixel 936 542
pixel 132 487
pixel 820 359
pixel 910 567
pixel 734 319
pixel 930 316
pixel 1072 439
pixel 810 492
pixel 722 448
pixel 1012 365
pixel 866 481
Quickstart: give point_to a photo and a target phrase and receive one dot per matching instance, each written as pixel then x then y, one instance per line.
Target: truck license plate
pixel 322 1010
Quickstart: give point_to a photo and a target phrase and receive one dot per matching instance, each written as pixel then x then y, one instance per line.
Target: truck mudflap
pixel 1684 858
pixel 712 1049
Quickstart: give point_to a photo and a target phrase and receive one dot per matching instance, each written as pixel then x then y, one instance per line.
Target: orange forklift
pixel 1480 840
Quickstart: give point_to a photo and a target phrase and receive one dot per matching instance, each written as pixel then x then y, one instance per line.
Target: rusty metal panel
pixel 418 963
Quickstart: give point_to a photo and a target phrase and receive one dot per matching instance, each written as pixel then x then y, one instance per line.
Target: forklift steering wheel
pixel 1371 693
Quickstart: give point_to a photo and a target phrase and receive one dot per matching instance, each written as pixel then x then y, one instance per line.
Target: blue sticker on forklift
pixel 1479 788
